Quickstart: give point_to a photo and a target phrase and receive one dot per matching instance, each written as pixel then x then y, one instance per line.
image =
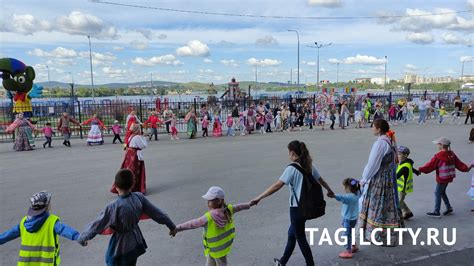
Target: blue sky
pixel 129 44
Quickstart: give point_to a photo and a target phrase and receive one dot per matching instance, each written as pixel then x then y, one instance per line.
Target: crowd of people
pixel 376 200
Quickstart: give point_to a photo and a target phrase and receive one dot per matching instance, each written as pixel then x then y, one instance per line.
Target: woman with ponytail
pixel 293 178
pixel 379 205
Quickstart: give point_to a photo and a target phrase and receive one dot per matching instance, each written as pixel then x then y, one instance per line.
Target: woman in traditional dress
pixel 132 119
pixel 22 126
pixel 217 127
pixel 379 206
pixel 250 121
pixel 191 122
pixel 95 135
pixel 134 160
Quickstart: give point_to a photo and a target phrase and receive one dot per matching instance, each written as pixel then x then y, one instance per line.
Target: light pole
pixel 337 74
pixel 72 93
pixel 49 82
pixel 318 46
pixel 385 76
pixel 298 36
pixel 92 73
pixel 151 83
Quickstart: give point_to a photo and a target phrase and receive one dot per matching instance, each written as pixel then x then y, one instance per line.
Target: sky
pixel 132 44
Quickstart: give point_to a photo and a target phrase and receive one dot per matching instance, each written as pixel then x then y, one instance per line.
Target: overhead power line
pixel 274 16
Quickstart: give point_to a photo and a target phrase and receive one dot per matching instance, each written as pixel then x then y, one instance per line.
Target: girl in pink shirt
pixel 205 124
pixel 230 124
pixel 174 130
pixel 48 134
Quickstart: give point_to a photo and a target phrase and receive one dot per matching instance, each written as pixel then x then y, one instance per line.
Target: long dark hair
pixel 382 125
pixel 304 159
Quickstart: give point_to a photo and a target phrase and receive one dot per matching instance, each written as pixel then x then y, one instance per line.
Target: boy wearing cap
pixel 405 172
pixel 445 162
pixel 39 232
pixel 122 216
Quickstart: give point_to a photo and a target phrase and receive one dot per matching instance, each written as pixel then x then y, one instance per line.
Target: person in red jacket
pixel 445 162
pixel 153 120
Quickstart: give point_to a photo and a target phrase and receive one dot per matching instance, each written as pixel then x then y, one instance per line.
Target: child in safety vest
pixel 405 172
pixel 39 232
pixel 350 213
pixel 445 162
pixel 219 226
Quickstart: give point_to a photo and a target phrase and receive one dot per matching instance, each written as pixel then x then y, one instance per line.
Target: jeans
pixel 168 127
pixel 154 131
pixel 48 142
pixel 230 131
pixel 349 224
pixel 204 132
pixel 296 232
pixel 268 127
pixel 440 193
pixel 422 118
pixel 440 119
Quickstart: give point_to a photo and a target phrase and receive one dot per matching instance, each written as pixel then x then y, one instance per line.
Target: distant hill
pixel 56 84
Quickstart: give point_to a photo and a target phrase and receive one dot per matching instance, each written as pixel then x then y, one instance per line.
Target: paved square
pixel 178 173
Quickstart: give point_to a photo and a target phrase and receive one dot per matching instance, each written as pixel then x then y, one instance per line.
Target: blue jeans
pixel 296 232
pixel 422 116
pixel 348 224
pixel 440 193
pixel 230 131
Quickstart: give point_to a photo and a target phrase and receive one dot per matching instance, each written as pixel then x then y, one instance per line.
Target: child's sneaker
pixel 433 214
pixel 345 254
pixel 448 212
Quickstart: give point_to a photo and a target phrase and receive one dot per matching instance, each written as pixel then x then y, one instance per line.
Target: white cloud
pixel 467 58
pixel 113 73
pixel 98 58
pixel 78 23
pixel 207 61
pixel 230 62
pixel 266 40
pixel 25 24
pixel 418 20
pixel 359 60
pixel 168 59
pixel 118 48
pixel 311 64
pixel 194 48
pixel 452 39
pixel 411 67
pixel 334 61
pixel 326 3
pixel 420 38
pixel 139 45
pixel 206 71
pixel 264 63
pixel 147 33
pixel 470 3
pixel 58 52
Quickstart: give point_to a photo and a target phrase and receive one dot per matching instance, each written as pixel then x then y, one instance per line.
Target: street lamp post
pixel 385 75
pixel 298 37
pixel 92 73
pixel 49 81
pixel 72 93
pixel 318 46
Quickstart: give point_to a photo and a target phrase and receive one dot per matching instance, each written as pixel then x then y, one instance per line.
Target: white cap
pixel 214 193
pixel 443 141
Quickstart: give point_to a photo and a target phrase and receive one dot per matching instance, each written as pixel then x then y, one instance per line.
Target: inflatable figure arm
pixel 36 91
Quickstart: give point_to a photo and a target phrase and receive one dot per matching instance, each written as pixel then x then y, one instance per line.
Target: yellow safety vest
pixel 218 240
pixel 40 248
pixel 409 179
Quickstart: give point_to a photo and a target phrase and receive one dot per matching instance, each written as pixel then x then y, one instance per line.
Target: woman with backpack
pixel 302 179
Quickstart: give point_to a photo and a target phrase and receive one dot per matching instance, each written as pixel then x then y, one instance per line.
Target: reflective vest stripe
pixel 221 248
pixel 445 174
pixel 36 259
pixel 37 248
pixel 221 236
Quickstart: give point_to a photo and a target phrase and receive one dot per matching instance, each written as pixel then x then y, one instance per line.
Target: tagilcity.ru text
pixel 432 236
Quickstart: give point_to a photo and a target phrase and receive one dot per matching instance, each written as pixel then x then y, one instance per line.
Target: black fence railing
pixel 110 110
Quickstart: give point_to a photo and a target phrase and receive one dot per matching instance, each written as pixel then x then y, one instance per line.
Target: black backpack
pixel 311 204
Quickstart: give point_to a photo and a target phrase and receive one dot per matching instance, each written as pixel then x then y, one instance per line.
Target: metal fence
pixel 110 110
